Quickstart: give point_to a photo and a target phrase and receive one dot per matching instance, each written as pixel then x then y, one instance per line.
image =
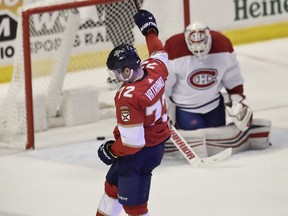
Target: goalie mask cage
pixel 61 50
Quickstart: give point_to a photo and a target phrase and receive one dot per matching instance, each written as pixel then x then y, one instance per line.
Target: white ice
pixel 67 180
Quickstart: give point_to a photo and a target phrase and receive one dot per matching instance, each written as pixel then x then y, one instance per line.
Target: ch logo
pixel 203 78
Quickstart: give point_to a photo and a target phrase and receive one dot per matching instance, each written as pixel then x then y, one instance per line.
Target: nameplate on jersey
pixel 152 92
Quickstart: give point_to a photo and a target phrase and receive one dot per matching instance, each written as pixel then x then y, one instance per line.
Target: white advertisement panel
pixel 234 14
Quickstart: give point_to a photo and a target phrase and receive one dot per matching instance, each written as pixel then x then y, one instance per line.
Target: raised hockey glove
pixel 240 113
pixel 105 154
pixel 145 22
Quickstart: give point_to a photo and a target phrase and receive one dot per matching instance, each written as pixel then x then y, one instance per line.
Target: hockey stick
pixel 191 156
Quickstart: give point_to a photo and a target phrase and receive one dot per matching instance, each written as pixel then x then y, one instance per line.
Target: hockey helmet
pixel 198 39
pixel 121 57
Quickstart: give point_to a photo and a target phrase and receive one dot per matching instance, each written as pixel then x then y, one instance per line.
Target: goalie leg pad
pixel 220 138
pixel 210 141
pixel 259 134
pixel 215 140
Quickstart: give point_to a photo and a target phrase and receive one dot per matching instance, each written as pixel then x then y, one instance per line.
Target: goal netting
pixel 59 77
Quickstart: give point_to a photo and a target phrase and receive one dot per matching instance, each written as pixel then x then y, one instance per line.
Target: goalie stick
pixel 190 154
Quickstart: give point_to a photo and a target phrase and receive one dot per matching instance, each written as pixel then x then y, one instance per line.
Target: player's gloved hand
pixel 239 111
pixel 145 22
pixel 105 154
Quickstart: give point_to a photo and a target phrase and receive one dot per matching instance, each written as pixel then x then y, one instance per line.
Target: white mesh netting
pixel 68 51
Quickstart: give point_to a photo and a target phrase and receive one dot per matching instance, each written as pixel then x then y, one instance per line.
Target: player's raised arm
pixel 146 22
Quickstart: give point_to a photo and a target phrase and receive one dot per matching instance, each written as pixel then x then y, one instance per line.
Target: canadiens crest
pixel 203 79
pixel 125 113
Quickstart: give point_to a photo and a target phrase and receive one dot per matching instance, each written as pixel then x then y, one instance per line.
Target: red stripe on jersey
pixel 119 149
pixel 176 46
pixel 236 90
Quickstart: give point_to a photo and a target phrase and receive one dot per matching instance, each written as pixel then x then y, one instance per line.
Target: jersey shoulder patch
pixel 220 43
pixel 176 47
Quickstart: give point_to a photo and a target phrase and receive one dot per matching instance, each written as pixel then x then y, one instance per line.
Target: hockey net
pixel 59 77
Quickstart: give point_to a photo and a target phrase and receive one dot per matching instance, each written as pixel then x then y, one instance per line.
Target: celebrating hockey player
pixel 202 63
pixel 142 127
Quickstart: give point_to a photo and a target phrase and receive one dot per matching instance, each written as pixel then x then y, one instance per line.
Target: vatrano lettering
pixel 182 146
pixel 155 89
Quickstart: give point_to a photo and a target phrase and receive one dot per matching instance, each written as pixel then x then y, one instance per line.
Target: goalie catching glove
pixel 145 22
pixel 239 111
pixel 105 154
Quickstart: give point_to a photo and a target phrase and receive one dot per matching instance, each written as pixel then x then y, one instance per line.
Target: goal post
pixel 186 9
pixel 57 75
pixel 60 77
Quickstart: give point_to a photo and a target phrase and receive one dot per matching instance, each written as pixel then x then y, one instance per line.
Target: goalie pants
pixel 192 121
pixel 132 174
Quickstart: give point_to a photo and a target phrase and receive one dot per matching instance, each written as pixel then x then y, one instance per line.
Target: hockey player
pixel 142 127
pixel 202 63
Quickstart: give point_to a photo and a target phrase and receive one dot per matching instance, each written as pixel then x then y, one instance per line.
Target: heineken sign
pixel 245 9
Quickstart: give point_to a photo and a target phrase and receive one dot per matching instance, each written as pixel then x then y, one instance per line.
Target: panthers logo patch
pixel 203 79
pixel 125 113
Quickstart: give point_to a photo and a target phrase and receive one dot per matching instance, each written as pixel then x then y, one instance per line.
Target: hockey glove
pixel 239 111
pixel 105 154
pixel 145 22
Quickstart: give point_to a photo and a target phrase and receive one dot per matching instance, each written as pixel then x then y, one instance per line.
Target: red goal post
pixel 49 70
pixel 27 65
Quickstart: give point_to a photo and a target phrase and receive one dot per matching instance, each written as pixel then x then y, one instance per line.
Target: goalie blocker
pixel 210 141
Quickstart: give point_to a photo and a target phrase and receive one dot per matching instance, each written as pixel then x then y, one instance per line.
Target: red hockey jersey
pixel 141 109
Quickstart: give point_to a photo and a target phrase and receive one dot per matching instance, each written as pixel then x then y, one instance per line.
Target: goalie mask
pixel 121 57
pixel 198 39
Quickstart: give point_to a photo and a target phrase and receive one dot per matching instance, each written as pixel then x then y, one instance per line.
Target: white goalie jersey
pixel 196 84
